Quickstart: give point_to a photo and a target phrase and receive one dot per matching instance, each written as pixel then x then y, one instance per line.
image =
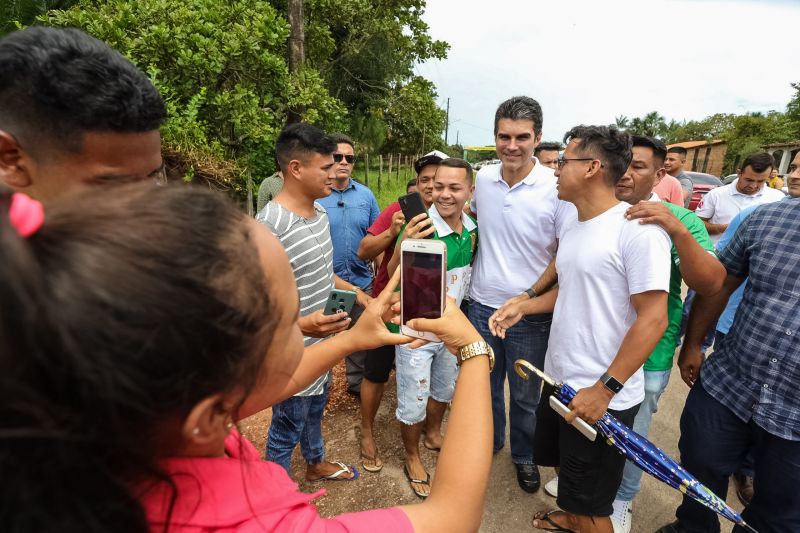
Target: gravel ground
pixel 508 508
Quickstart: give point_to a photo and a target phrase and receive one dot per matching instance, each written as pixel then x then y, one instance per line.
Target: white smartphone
pixel 580 424
pixel 423 263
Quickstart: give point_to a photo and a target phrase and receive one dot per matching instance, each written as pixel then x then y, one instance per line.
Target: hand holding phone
pixel 419 227
pixel 423 264
pixel 412 207
pixel 580 424
pixel 340 301
pixel 319 325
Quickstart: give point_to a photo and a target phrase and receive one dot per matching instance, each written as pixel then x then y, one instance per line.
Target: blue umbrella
pixel 643 453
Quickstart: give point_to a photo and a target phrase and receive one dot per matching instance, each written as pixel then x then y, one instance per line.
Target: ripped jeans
pixel 427 371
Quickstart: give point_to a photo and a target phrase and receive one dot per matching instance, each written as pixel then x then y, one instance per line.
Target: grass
pixel 391 187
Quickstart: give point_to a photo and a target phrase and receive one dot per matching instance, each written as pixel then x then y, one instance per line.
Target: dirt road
pixel 508 508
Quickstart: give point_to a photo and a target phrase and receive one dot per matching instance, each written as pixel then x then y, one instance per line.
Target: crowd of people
pixel 140 319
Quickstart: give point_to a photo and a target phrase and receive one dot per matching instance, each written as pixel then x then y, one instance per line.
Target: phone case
pixel 581 425
pixel 340 300
pixel 442 250
pixel 411 205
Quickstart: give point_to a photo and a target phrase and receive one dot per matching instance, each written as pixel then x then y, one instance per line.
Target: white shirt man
pixel 519 215
pixel 720 205
pixel 518 232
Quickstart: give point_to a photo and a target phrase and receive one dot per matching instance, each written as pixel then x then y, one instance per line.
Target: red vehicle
pixel 701 184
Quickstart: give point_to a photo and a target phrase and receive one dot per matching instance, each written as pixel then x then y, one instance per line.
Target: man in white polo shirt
pixel 720 205
pixel 520 215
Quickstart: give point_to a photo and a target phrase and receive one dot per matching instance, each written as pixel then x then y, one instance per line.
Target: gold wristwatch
pixel 476 348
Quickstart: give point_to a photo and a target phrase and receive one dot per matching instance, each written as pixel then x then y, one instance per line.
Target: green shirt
pixel 460 248
pixel 268 190
pixel 661 358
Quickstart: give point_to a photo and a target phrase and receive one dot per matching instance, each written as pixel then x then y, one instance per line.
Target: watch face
pixel 614 385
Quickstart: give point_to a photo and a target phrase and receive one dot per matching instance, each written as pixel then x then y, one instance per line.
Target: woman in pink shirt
pixel 137 325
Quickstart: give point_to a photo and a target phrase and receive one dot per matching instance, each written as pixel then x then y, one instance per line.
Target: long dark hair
pixel 124 310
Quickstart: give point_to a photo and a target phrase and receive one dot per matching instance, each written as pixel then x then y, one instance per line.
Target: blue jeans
pixel 525 340
pixel 713 444
pixel 428 371
pixel 297 420
pixel 655 382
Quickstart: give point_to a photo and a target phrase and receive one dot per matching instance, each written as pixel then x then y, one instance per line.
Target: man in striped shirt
pixel 305 155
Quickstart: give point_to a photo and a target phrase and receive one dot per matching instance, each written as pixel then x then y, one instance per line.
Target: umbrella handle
pixel 518 368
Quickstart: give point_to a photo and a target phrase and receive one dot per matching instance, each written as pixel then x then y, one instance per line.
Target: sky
pixel 588 61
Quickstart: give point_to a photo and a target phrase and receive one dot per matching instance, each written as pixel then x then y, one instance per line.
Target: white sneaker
pixel 551 487
pixel 622 518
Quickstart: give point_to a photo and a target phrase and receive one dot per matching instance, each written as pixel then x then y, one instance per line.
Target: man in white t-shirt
pixel 519 215
pixel 720 205
pixel 610 312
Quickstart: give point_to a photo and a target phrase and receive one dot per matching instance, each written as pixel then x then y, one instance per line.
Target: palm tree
pixel 622 122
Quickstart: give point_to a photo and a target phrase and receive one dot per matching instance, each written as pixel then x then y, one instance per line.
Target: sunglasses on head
pixel 337 158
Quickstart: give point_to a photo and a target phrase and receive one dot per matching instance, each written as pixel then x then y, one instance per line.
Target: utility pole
pixel 447 122
pixel 457 132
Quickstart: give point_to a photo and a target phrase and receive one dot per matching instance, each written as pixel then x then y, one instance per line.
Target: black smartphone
pixel 340 300
pixel 412 205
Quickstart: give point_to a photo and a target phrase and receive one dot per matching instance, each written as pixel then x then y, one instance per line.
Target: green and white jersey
pixel 460 251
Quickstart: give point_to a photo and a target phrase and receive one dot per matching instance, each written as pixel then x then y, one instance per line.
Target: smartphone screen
pixel 421 285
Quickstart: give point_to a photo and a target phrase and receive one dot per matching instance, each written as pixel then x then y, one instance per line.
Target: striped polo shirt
pixel 307 242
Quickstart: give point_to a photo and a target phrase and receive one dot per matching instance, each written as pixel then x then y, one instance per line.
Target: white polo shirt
pixel 518 229
pixel 720 205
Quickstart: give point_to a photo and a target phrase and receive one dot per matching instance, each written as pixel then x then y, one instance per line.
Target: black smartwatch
pixel 531 294
pixel 611 383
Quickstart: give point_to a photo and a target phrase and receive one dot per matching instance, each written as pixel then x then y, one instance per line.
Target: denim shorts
pixel 427 371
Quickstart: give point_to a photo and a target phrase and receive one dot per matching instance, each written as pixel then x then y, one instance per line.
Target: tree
pixel 15 13
pixel 752 131
pixel 221 67
pixel 366 52
pixel 651 125
pixel 414 122
pixel 793 112
pixel 622 122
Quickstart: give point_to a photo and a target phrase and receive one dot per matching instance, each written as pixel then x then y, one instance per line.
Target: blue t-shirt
pixel 351 212
pixel 726 319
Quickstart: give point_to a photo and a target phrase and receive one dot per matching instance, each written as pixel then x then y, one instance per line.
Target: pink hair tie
pixel 26 214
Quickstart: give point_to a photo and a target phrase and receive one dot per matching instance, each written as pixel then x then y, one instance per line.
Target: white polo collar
pixel 735 192
pixel 442 228
pixel 530 179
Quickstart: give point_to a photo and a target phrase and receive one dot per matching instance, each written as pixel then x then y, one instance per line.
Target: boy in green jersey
pixel 426 376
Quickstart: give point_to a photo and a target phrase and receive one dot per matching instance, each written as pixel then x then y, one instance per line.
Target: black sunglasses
pixel 337 158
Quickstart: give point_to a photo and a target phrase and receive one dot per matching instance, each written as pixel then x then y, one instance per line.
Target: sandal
pixel 376 466
pixel 412 481
pixel 431 448
pixel 377 463
pixel 546 518
pixel 337 476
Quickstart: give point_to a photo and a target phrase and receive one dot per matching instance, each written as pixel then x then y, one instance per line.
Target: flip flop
pixel 546 518
pixel 377 467
pixel 417 481
pixel 431 448
pixel 343 468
